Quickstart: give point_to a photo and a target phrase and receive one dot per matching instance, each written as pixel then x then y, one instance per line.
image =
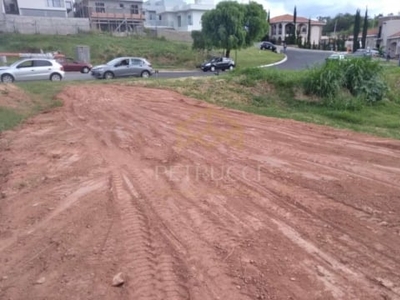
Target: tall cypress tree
pixel 269 16
pixel 309 34
pixel 365 29
pixel 356 31
pixel 294 22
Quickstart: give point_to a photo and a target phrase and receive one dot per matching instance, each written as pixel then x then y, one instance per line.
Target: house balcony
pixel 96 13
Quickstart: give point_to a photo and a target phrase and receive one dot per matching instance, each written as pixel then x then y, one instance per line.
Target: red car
pixel 71 65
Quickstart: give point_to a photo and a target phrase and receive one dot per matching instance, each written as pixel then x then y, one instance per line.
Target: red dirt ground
pixel 192 201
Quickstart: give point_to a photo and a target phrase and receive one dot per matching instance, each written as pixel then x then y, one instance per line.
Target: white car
pixel 32 69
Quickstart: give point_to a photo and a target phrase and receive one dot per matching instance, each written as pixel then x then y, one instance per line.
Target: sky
pixel 315 8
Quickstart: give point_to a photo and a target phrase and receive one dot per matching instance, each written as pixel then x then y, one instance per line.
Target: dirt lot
pixel 192 201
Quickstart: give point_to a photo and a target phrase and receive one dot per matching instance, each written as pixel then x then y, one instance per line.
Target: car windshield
pixel 113 62
pixel 16 64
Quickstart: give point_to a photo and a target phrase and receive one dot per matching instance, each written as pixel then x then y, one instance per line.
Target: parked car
pixel 123 67
pixel 71 65
pixel 268 46
pixel 337 56
pixel 218 63
pixel 363 53
pixel 32 69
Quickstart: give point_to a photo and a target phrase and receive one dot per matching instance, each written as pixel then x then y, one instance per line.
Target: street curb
pixel 275 64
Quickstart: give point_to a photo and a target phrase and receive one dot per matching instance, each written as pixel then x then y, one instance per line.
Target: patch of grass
pixel 42 96
pixel 254 57
pixel 162 53
pixel 9 118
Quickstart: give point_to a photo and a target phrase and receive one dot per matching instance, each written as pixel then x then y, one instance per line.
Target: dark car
pixel 268 46
pixel 71 65
pixel 218 63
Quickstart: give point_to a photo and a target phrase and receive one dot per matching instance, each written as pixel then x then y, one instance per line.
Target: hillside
pixel 105 47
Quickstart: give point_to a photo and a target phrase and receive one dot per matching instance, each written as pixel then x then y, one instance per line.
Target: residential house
pixel 393 45
pixel 178 14
pixel 282 26
pixel 44 8
pixel 370 41
pixel 110 15
pixel 388 36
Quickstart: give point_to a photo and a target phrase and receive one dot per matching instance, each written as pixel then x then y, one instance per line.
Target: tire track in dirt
pixel 138 262
pixel 349 245
pixel 205 263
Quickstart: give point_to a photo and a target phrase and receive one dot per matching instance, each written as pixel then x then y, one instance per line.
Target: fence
pixel 39 25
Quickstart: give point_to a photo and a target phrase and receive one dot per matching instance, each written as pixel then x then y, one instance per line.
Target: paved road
pixel 299 59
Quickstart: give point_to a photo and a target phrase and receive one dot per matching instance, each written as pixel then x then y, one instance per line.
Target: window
pixel 190 21
pixel 42 63
pixel 134 9
pixel 179 21
pixel 159 17
pixel 136 62
pixel 121 5
pixel 124 62
pixel 100 7
pixel 25 64
pixel 55 3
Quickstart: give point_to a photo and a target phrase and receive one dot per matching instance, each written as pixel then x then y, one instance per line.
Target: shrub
pixel 361 77
pixel 325 81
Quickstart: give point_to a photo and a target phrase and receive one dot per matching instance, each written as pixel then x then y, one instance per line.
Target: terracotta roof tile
pixel 373 31
pixel 289 18
pixel 395 35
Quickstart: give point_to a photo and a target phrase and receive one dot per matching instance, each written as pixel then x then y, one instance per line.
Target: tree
pixel 269 16
pixel 344 23
pixel 294 22
pixel 365 30
pixel 356 31
pixel 309 34
pixel 199 41
pixel 234 26
pixel 255 23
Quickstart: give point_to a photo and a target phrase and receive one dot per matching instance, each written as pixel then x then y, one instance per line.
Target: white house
pixel 43 8
pixel 176 14
pixel 282 25
pixel 389 34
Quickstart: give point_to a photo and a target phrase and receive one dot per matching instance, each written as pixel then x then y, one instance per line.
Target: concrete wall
pixel 38 25
pixel 316 33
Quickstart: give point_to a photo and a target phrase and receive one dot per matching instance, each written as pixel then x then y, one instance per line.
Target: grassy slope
pixel 162 53
pixel 278 97
pixel 42 97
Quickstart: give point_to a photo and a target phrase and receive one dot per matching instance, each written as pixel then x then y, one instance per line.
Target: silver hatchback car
pixel 123 67
pixel 32 69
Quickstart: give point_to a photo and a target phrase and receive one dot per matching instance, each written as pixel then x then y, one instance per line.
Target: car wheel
pixel 108 75
pixel 7 78
pixel 85 70
pixel 145 74
pixel 231 67
pixel 55 77
pixel 212 69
